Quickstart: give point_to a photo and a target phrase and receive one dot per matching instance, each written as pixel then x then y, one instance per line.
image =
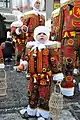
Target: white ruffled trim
pixel 41 118
pixel 75 71
pixel 58 77
pixel 43 113
pixel 67 91
pixel 18 32
pixel 34 12
pixel 31 111
pixel 35 112
pixel 25 63
pixel 17 24
pixel 48 44
pixel 31 12
pixel 23 111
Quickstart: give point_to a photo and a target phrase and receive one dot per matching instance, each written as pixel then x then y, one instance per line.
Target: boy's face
pixel 37 4
pixel 42 37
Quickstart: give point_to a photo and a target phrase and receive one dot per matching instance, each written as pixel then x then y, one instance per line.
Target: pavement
pixel 16 98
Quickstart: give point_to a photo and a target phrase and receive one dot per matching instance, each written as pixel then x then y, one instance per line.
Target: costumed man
pixel 34 17
pixel 42 63
pixel 70 44
pixel 19 33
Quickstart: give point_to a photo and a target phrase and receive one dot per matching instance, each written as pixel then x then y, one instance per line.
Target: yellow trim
pixel 71 12
pixel 70 43
pixel 42 109
pixel 66 34
pixel 75 21
pixel 77 12
pixel 73 33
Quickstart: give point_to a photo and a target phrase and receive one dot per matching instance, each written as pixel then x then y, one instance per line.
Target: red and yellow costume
pixel 34 19
pixel 70 43
pixel 69 25
pixel 20 38
pixel 43 60
pixel 41 65
pixel 55 25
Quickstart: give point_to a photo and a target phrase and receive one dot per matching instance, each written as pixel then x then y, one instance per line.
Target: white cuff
pixel 18 32
pixel 43 113
pixel 31 111
pixel 58 77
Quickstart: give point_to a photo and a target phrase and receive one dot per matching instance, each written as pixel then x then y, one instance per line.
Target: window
pixel 5 3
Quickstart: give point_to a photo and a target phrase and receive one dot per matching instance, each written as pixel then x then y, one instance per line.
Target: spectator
pixel 8 50
pixel 19 33
pixel 2 37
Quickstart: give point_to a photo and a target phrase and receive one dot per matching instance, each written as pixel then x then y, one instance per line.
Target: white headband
pixel 41 4
pixel 41 29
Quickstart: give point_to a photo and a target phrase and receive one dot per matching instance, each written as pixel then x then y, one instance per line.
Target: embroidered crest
pixel 70 42
pixel 76 11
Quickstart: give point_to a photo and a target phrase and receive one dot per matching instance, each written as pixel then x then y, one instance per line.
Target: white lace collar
pixel 48 44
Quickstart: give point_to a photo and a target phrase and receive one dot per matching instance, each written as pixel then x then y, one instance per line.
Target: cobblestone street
pixel 16 90
pixel 16 98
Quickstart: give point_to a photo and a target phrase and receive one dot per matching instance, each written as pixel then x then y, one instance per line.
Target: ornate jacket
pixel 34 19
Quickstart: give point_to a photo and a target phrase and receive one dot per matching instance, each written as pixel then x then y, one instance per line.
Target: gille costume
pixel 43 61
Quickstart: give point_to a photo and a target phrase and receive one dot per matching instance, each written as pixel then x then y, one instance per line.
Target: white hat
pixel 17 24
pixel 41 29
pixel 41 4
pixel 64 1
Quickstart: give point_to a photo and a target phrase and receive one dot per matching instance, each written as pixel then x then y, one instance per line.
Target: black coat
pixel 3 30
pixel 8 50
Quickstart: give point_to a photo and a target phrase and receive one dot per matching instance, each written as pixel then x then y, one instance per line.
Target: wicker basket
pixel 3 84
pixel 2 74
pixel 3 91
pixel 56 103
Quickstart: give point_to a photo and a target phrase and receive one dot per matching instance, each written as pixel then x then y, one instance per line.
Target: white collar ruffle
pixel 49 44
pixel 36 12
